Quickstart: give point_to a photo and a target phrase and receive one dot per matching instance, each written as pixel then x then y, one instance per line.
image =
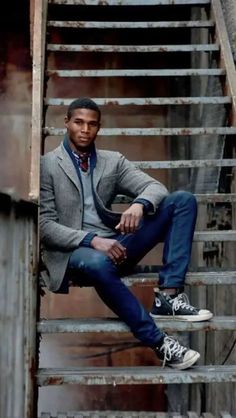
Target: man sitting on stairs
pixel 85 242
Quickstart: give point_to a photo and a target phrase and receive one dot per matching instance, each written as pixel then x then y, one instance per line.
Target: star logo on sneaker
pixel 157 302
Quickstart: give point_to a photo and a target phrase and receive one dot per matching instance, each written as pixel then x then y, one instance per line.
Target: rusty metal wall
pixel 17 307
pixel 15 98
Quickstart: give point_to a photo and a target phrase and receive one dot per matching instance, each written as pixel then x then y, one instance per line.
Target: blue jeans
pixel 173 223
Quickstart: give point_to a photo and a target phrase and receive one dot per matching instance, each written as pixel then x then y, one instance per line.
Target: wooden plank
pixel 134 375
pixel 112 414
pixel 129 2
pixel 132 48
pixel 98 325
pixel 214 236
pixel 207 278
pixel 179 72
pixel 131 25
pixel 145 165
pixel 201 198
pixel 143 101
pixel 151 131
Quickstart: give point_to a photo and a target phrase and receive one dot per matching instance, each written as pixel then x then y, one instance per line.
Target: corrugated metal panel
pixel 17 307
pixel 135 375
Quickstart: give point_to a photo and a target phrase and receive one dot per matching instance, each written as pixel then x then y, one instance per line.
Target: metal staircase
pixel 99 44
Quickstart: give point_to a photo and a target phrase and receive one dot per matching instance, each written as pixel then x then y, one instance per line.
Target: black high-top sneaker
pixel 178 307
pixel 173 354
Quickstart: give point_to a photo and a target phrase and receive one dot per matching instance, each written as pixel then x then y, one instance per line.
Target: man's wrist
pixel 87 240
pixel 147 206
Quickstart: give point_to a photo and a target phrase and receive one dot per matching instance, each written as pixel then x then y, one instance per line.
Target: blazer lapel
pixel 68 167
pixel 98 170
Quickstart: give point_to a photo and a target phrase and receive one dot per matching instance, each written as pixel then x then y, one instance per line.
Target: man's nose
pixel 85 127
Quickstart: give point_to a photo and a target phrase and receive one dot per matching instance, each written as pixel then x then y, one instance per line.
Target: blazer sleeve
pixel 53 234
pixel 134 182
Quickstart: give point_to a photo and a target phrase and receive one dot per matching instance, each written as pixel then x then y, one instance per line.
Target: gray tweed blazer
pixel 61 205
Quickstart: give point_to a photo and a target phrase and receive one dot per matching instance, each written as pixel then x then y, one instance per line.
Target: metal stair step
pixel 201 198
pixel 193 278
pixel 130 25
pixel 146 165
pixel 130 2
pixel 134 375
pixel 51 131
pixel 129 414
pixel 144 101
pixel 49 326
pixel 133 48
pixel 178 72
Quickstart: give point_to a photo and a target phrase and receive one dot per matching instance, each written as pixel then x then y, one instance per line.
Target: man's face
pixel 82 128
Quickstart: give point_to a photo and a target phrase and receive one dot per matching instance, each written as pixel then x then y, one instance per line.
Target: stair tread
pixel 132 48
pixel 129 2
pixel 127 414
pixel 66 325
pixel 131 25
pixel 134 375
pixel 184 131
pixel 201 198
pixel 178 72
pixel 149 277
pixel 142 101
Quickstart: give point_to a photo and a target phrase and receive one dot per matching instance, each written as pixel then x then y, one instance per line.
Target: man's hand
pixel 130 219
pixel 111 247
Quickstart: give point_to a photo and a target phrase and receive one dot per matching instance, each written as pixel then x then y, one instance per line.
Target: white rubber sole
pixel 191 318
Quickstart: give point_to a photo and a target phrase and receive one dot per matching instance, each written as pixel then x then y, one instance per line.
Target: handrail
pixel 40 10
pixel 226 57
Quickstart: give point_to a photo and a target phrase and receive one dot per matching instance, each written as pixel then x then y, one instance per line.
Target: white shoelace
pixel 181 301
pixel 171 347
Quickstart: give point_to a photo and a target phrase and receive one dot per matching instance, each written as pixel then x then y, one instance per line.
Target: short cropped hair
pixel 83 103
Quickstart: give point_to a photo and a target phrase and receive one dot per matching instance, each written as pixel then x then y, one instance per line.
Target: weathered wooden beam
pixel 201 198
pixel 129 2
pixel 131 25
pixel 133 48
pixel 143 101
pixel 173 324
pixel 135 375
pixel 151 131
pixel 179 72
